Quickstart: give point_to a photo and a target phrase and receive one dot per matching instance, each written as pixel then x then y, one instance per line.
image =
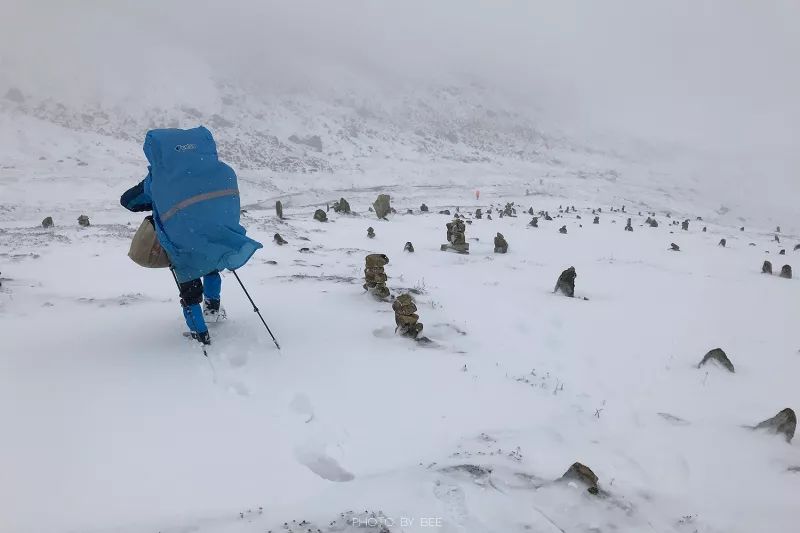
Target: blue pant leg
pixel 212 286
pixel 193 314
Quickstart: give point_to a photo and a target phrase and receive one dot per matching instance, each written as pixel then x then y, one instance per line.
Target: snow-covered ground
pixel 112 421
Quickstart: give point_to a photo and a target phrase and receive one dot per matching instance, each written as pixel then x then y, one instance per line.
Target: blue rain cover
pixel 195 203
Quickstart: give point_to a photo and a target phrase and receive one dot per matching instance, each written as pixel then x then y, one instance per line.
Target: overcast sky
pixel 724 72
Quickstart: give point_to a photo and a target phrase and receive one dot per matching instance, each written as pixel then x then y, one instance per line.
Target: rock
pixel 47 222
pixel 723 242
pixel 562 229
pixel 581 473
pixel 784 423
pixel 444 212
pixel 320 216
pixel 382 206
pixel 313 141
pixel 279 209
pixel 766 268
pixel 566 282
pixel 280 241
pixel 15 95
pixel 305 250
pixel 596 220
pixel 628 226
pixel 456 240
pixel 530 211
pixel 534 222
pixel 777 239
pixel 786 272
pixel 674 247
pixel 423 208
pixel 500 244
pixel 406 317
pixel 478 213
pixel 408 247
pixel 547 216
pixel 409 211
pixel 685 225
pixel 341 206
pixel 489 216
pixel 777 229
pixel 83 220
pixel 509 210
pixel 651 222
pixel 705 229
pixel 796 247
pixel 718 355
pixel 782 252
pixel 375 276
pixel 370 232
pixel 741 229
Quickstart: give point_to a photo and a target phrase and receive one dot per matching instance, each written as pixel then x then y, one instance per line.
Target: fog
pixel 718 73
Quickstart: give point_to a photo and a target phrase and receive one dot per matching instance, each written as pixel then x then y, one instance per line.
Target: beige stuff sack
pixel 145 249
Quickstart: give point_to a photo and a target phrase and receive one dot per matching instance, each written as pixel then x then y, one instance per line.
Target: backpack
pixel 145 249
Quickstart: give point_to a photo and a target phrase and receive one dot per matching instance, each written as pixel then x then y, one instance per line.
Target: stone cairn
pixel 596 220
pixel 382 206
pixel 320 216
pixel 47 222
pixel 786 272
pixel 534 223
pixel 509 210
pixel 500 244
pixel 371 232
pixel 83 220
pixel 766 268
pixel 341 206
pixel 777 239
pixel 723 242
pixel 705 229
pixel 478 213
pixel 685 225
pixel 406 317
pixel 280 241
pixel 782 252
pixel 674 247
pixel 279 209
pixel 562 229
pixel 628 226
pixel 408 247
pixel 423 208
pixel 456 241
pixel 375 276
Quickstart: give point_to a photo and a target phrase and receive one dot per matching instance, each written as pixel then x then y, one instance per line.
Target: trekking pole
pixel 256 310
pixel 175 277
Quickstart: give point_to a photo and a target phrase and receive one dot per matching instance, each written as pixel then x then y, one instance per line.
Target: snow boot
pixel 212 310
pixel 203 338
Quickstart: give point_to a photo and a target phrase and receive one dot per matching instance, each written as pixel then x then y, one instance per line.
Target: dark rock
pixel 500 244
pixel 723 242
pixel 786 272
pixel 305 250
pixel 685 225
pixel 279 240
pixel 15 95
pixel 777 229
pixel 566 282
pixel 478 213
pixel 47 222
pixel 534 222
pixel 371 232
pixel 382 206
pixel 409 211
pixel 777 239
pixel 628 226
pixel 766 268
pixel 674 247
pixel 408 247
pixel 530 211
pixel 489 216
pixel 741 229
pixel 562 229
pixel 83 220
pixel 596 220
pixel 580 473
pixel 423 208
pixel 547 216
pixel 782 252
pixel 444 212
pixel 718 355
pixel 320 216
pixel 784 423
pixel 341 206
pixel 796 247
pixel 279 209
pixel 705 229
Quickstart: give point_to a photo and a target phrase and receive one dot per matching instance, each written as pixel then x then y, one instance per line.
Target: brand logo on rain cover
pixel 185 147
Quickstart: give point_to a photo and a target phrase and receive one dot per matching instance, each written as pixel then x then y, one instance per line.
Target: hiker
pixel 194 198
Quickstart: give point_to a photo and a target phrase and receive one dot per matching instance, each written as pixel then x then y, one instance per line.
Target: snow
pixel 112 421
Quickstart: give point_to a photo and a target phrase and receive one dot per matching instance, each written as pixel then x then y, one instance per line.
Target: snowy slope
pixel 114 422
